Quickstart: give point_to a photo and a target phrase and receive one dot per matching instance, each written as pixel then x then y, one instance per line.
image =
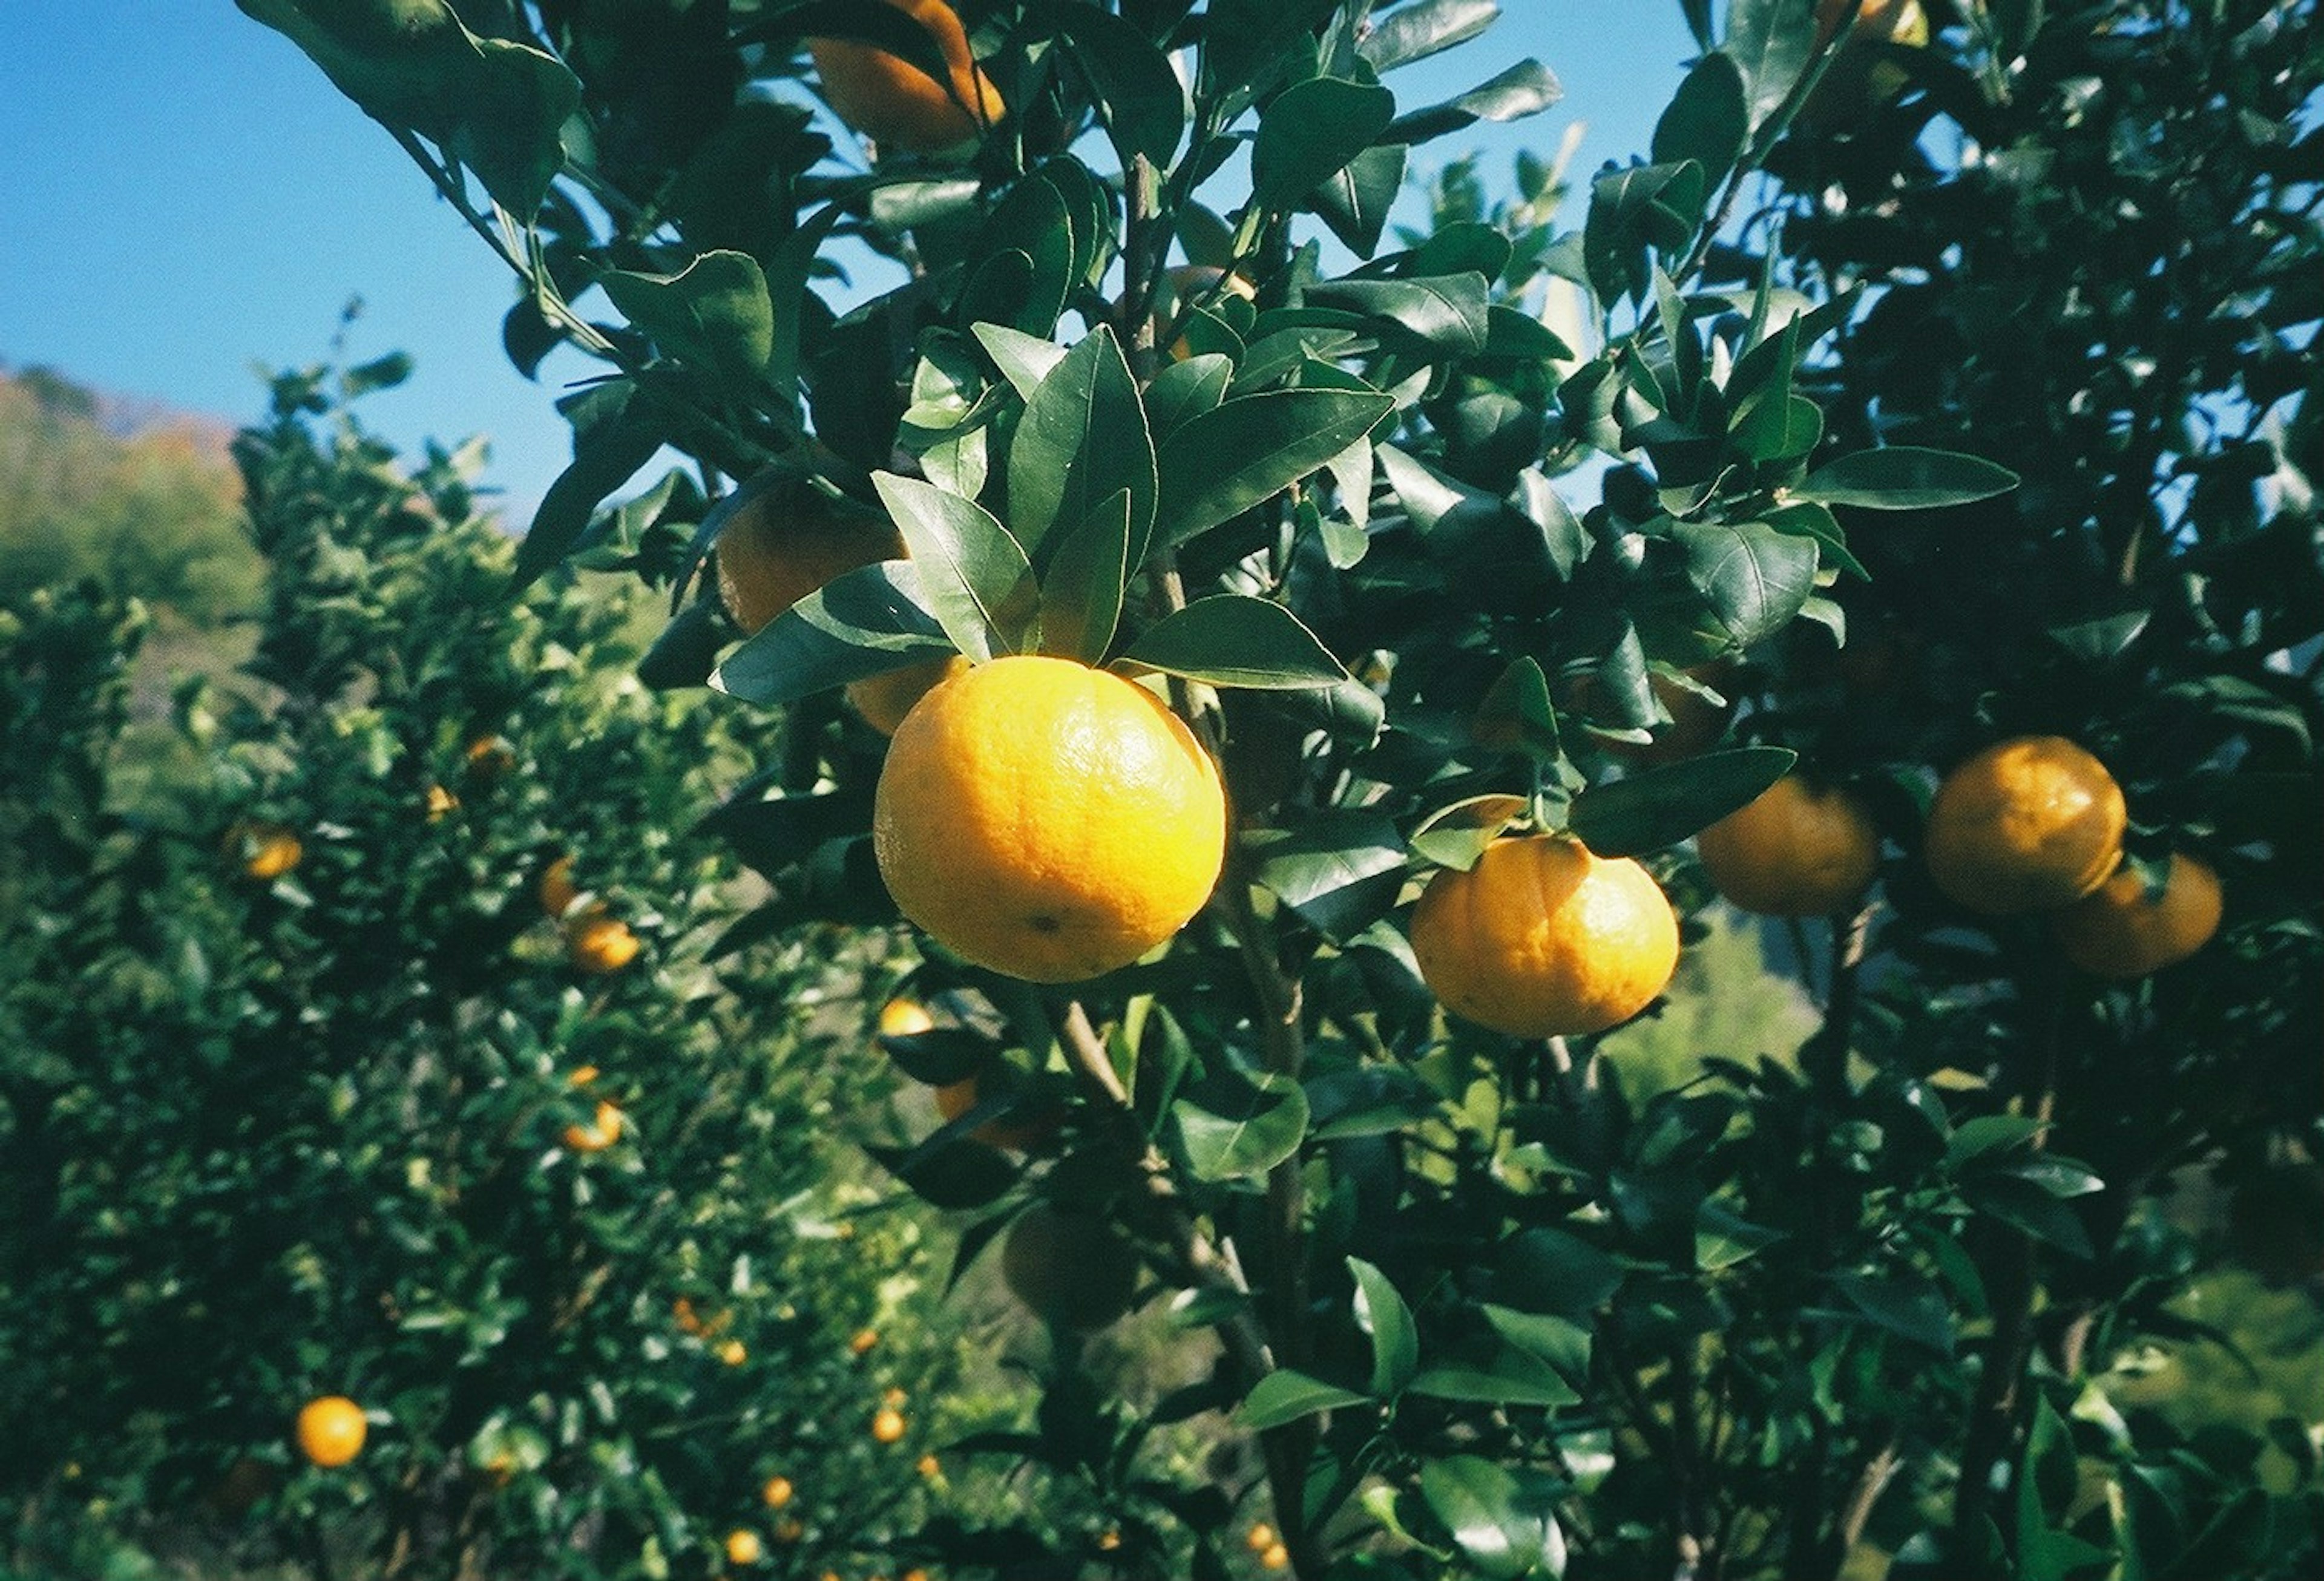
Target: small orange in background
pixel 442 803
pixel 600 945
pixel 1108 1540
pixel 785 543
pixel 890 100
pixel 733 1352
pixel 331 1431
pixel 583 1075
pixel 902 1017
pixel 913 1575
pixel 1261 1536
pixel 1543 938
pixel 744 1548
pixel 884 699
pixel 777 1492
pixel 863 1340
pixel 2032 823
pixel 790 1530
pixel 2120 931
pixel 886 1425
pixel 265 850
pixel 894 1397
pixel 490 757
pixel 929 1467
pixel 556 890
pixel 603 1129
pixel 1275 1556
pixel 1798 849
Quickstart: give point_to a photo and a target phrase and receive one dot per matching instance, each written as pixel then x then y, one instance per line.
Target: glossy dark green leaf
pixel 1709 119
pixel 1517 715
pixel 974 576
pixel 1382 1312
pixel 864 622
pixel 714 315
pixel 1418 30
pixel 1658 807
pixel 1555 1270
pixel 1024 360
pixel 1139 98
pixel 1309 133
pixel 1750 580
pixel 1236 1125
pixel 1525 89
pixel 1081 439
pixel 1354 203
pixel 1562 1345
pixel 1504 1526
pixel 1234 639
pixel 954 1174
pixel 1239 453
pixel 1286 1395
pixel 1340 871
pixel 1508 1377
pixel 1770 40
pixel 1081 596
pixel 612 439
pixel 1906 1305
pixel 1449 312
pixel 1906 477
pixel 512 112
pixel 1634 212
pixel 1809 520
pixel 1186 390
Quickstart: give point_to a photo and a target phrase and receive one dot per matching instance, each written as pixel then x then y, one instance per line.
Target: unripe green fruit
pixel 1071 1270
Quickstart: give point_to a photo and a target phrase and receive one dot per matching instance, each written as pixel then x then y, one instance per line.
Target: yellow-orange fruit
pixel 2120 931
pixel 556 890
pixel 599 944
pixel 884 699
pixel 1048 819
pixel 1018 1130
pixel 787 543
pixel 331 1431
pixel 440 802
pixel 864 1341
pixel 490 757
pixel 1259 1538
pixel 265 850
pixel 744 1548
pixel 1796 851
pixel 886 1425
pixel 2032 823
pixel 905 1018
pixel 894 102
pixel 777 1492
pixel 602 1131
pixel 1541 938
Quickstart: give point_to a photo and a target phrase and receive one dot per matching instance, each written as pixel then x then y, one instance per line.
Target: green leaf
pixel 1309 133
pixel 1558 1344
pixel 1749 581
pixel 1246 450
pixel 380 373
pixel 1024 360
pixel 863 623
pixel 1138 97
pixel 1905 1304
pixel 1186 390
pixel 1709 119
pixel 1546 1270
pixel 1236 1125
pixel 1659 807
pixel 714 315
pixel 1770 40
pixel 1284 1395
pixel 1415 31
pixel 610 441
pixel 1635 211
pixel 1516 714
pixel 1512 1378
pixel 1456 836
pixel 974 575
pixel 1083 439
pixel 1906 477
pixel 1382 1312
pixel 1081 597
pixel 1339 870
pixel 1525 89
pixel 512 115
pixel 954 1174
pixel 1449 312
pixel 1234 639
pixel 1504 1526
pixel 1355 204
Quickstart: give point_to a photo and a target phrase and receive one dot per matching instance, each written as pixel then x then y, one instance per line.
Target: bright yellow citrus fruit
pixel 777 1492
pixel 905 1018
pixel 787 543
pixel 885 698
pixel 886 1425
pixel 1877 22
pixel 929 1467
pixel 603 1129
pixel 1048 819
pixel 440 803
pixel 2120 931
pixel 1070 1269
pixel 892 101
pixel 733 1352
pixel 744 1548
pixel 1543 938
pixel 2032 823
pixel 1797 850
pixel 1275 1556
pixel 863 1340
pixel 266 851
pixel 598 945
pixel 556 890
pixel 1259 1538
pixel 331 1429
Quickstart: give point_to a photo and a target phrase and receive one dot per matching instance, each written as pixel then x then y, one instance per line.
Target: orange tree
pixel 361 1212
pixel 1457 554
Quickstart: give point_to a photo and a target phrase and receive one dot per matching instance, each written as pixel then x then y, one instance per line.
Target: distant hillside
pixel 142 498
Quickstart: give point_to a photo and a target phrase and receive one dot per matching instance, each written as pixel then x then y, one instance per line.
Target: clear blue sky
pixel 182 194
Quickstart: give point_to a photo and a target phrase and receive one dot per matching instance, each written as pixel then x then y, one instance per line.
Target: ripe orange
pixel 598 945
pixel 490 757
pixel 885 698
pixel 905 1018
pixel 929 1467
pixel 1275 1556
pixel 890 100
pixel 777 1492
pixel 1020 1130
pixel 886 1425
pixel 744 1548
pixel 602 1132
pixel 266 851
pixel 733 1352
pixel 331 1429
pixel 1071 1270
pixel 1048 819
pixel 1182 285
pixel 863 1340
pixel 893 1396
pixel 1797 850
pixel 2031 823
pixel 1877 22
pixel 556 890
pixel 1259 1538
pixel 787 543
pixel 1544 939
pixel 440 802
pixel 2120 931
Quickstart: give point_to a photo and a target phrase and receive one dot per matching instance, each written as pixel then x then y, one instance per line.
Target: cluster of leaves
pixel 279 1136
pixel 1432 535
